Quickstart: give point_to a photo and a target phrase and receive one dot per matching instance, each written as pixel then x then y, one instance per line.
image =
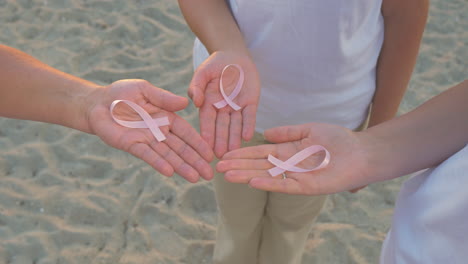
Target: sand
pixel 66 197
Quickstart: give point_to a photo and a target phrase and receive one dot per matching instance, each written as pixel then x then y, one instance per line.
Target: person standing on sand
pixel 313 61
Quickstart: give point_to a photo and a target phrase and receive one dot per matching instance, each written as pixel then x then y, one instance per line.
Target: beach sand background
pixel 66 197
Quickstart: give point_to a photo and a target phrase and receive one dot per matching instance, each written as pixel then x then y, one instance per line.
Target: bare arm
pixel 32 90
pixel 213 24
pixel 422 138
pixel 404 26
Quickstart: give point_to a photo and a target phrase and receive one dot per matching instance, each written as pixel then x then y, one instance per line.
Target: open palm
pixel 183 151
pixel 348 168
pixel 223 129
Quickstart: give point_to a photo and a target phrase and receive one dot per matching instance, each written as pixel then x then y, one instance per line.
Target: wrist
pixel 241 57
pixel 85 100
pixel 232 47
pixel 382 157
pixel 373 149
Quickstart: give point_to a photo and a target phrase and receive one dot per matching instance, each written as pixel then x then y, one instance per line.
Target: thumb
pixel 198 85
pixel 285 133
pixel 165 99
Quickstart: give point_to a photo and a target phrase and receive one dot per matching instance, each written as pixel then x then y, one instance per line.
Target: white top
pixel 430 222
pixel 316 59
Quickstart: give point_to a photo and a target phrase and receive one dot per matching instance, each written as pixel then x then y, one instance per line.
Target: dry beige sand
pixel 65 197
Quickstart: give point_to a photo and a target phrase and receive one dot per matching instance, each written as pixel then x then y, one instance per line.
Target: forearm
pixel 34 91
pixel 404 26
pixel 212 22
pixel 419 139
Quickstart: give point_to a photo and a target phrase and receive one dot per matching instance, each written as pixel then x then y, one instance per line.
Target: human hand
pixel 183 151
pixel 223 129
pixel 348 168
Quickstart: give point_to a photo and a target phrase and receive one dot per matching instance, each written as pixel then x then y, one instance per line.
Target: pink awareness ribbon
pixel 148 121
pixel 290 164
pixel 228 100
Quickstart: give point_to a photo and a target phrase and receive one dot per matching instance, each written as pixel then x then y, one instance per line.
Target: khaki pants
pixel 259 227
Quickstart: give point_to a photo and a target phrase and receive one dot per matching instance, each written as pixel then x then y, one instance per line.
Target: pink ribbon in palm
pixel 148 122
pixel 290 164
pixel 228 100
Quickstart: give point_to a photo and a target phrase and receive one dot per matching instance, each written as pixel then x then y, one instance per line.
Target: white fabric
pixel 316 58
pixel 430 222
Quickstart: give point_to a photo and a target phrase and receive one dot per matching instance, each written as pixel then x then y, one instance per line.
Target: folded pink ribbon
pixel 228 100
pixel 290 164
pixel 148 122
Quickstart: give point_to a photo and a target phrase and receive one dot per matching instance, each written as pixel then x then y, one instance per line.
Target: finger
pixel 189 135
pixel 179 166
pixel 190 156
pixel 244 176
pixel 285 133
pixel 198 85
pixel 287 185
pixel 207 124
pixel 249 114
pixel 164 99
pixel 255 152
pixel 222 133
pixel 148 155
pixel 243 164
pixel 357 189
pixel 235 130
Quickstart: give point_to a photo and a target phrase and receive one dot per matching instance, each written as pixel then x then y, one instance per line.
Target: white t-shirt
pixel 430 222
pixel 316 59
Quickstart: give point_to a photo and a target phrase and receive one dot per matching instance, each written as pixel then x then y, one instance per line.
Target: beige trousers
pixel 259 227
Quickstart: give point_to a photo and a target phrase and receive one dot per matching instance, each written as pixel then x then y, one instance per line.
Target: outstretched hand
pixel 183 151
pixel 348 168
pixel 223 129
